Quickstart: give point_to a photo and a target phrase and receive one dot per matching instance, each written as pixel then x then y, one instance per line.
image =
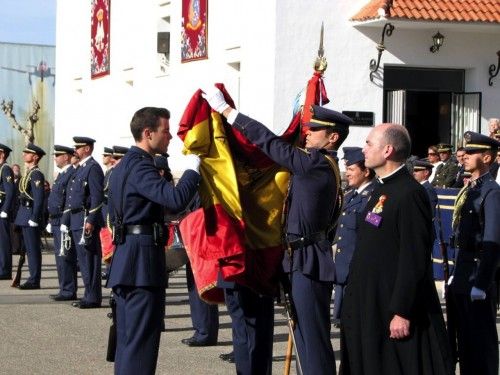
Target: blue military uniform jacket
pixel 142 198
pixel 31 197
pixel 7 189
pixel 312 196
pixel 84 196
pixel 57 196
pixel 345 237
pixel 477 237
pixel 104 210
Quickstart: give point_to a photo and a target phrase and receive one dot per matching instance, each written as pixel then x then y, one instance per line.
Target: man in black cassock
pixel 391 319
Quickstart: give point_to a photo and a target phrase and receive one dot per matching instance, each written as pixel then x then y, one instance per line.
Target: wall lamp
pixel 494 70
pixel 374 65
pixel 437 42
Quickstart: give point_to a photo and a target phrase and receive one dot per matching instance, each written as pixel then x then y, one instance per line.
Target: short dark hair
pixel 460 149
pixel 398 137
pixel 147 117
pixel 343 133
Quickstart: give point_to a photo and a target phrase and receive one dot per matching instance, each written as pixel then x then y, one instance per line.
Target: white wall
pixel 276 43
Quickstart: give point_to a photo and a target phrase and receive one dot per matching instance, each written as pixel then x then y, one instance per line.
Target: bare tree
pixel 27 131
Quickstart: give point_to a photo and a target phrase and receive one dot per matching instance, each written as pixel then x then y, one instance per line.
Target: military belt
pixel 76 210
pixel 294 242
pixel 26 203
pixel 56 216
pixel 142 229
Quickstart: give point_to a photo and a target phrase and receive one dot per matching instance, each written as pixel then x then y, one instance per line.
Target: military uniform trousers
pixel 337 301
pixel 205 317
pixel 252 319
pixel 66 266
pixel 140 313
pixel 476 332
pixel 33 243
pixel 312 333
pixel 5 248
pixel 89 259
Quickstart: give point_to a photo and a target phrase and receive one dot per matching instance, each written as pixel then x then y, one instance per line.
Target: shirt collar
pixel 363 187
pixel 83 161
pixel 381 179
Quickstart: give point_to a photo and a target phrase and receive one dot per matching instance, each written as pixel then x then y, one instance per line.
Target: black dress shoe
pixel 5 277
pixel 64 298
pixel 227 357
pixel 86 305
pixel 28 286
pixel 201 343
pixel 187 341
pixel 53 296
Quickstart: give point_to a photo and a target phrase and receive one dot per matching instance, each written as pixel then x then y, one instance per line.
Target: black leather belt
pixel 76 210
pixel 295 242
pixel 26 203
pixel 139 229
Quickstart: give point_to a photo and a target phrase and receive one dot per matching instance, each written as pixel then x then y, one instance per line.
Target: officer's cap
pixel 61 150
pixel 161 162
pixel 444 147
pixel 326 118
pixel 119 151
pixel 353 155
pixel 34 149
pixel 108 151
pixel 497 134
pixel 83 141
pixel 479 142
pixel 5 148
pixel 421 165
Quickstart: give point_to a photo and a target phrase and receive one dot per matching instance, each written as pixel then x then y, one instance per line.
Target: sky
pixel 28 21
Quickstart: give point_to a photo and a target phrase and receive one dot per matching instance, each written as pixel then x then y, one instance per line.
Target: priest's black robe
pixel 391 273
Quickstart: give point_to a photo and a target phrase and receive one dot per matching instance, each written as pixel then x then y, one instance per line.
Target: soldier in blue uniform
pixel 82 216
pixel 138 196
pixel 421 171
pixel 361 184
pixel 29 215
pixel 7 196
pixel 65 251
pixel 312 206
pixel 477 240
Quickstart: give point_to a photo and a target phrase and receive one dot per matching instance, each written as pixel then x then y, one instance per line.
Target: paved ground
pixel 39 336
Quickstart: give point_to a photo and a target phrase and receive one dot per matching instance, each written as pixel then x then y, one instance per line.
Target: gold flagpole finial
pixel 320 63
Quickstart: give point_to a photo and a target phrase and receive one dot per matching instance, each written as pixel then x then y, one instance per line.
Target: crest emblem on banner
pixel 194 30
pixel 99 28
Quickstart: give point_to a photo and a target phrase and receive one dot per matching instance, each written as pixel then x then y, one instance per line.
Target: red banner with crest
pixel 194 30
pixel 99 37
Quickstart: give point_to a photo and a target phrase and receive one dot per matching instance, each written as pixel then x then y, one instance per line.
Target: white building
pixel 263 51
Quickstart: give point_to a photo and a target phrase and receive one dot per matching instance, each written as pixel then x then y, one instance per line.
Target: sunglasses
pixel 431 154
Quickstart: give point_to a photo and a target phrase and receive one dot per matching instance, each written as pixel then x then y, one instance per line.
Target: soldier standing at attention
pixel 82 216
pixel 313 203
pixel 361 184
pixel 477 240
pixel 7 196
pixel 29 215
pixel 66 264
pixel 421 171
pixel 446 172
pixel 138 196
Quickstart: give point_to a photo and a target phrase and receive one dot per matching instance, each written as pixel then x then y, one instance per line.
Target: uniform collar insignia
pixel 364 193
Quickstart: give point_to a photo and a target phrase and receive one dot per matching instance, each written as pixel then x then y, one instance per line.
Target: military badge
pixel 380 204
pixel 9 179
pixel 38 183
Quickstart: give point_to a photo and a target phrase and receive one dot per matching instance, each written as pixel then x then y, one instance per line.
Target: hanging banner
pixel 99 38
pixel 194 30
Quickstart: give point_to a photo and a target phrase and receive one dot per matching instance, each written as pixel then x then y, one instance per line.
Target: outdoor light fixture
pixel 494 70
pixel 388 28
pixel 437 42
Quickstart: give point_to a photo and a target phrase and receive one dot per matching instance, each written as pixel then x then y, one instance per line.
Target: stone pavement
pixel 40 336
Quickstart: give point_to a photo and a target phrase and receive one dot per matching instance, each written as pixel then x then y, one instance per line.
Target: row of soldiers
pixel 77 216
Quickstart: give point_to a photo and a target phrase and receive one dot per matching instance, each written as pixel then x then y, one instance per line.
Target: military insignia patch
pixel 9 178
pixel 38 183
pixel 380 204
pixel 467 137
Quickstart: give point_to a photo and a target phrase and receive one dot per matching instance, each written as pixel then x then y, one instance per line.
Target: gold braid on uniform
pixel 340 195
pixel 1 171
pixel 23 183
pixel 461 197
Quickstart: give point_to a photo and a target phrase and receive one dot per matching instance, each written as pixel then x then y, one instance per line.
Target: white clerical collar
pixel 381 179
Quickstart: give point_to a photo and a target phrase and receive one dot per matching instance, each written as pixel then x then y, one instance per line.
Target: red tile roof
pixel 432 10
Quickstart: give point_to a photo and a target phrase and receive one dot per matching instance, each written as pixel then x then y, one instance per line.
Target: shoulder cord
pixel 339 196
pixel 23 184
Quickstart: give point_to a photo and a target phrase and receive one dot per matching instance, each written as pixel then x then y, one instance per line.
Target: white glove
pixel 32 224
pixel 63 228
pixel 477 294
pixel 3 215
pixel 215 98
pixel 450 280
pixel 48 228
pixel 192 161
